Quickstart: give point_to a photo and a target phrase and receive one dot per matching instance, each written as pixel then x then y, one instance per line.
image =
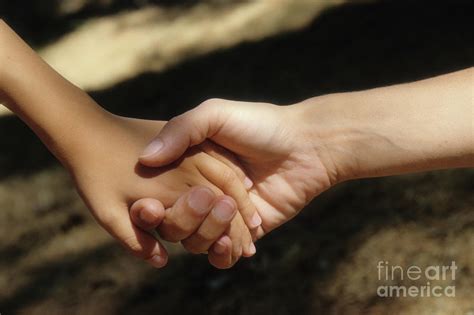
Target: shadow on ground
pixel 300 267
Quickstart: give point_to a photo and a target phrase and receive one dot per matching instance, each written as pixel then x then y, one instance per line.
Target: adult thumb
pixel 183 131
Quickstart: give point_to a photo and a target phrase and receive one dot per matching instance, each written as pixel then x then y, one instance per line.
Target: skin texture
pixel 100 151
pixel 293 153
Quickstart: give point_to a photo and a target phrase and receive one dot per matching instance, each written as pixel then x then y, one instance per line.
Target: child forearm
pixel 54 108
pixel 69 122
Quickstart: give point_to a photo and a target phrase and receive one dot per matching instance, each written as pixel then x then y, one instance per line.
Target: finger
pixel 224 178
pixel 187 214
pixel 215 224
pixel 250 250
pixel 141 244
pixel 262 206
pixel 147 213
pixel 220 254
pixel 241 239
pixel 228 159
pixel 181 132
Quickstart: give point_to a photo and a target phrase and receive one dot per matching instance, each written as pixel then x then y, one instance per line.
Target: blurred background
pixel 156 59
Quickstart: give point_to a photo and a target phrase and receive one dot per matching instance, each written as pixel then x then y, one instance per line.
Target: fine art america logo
pixel 429 278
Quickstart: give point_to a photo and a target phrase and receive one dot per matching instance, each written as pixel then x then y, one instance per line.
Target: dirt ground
pixel 54 258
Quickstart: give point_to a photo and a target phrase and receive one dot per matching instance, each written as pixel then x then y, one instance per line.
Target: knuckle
pixel 203 238
pixel 192 247
pixel 228 178
pixel 248 209
pixel 198 214
pixel 171 232
pixel 176 121
pixel 211 103
pixel 186 229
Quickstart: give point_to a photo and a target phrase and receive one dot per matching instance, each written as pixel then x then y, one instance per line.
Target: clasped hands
pixel 225 173
pixel 216 178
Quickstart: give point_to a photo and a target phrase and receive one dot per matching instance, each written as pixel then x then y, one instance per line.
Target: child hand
pixel 100 149
pixel 110 180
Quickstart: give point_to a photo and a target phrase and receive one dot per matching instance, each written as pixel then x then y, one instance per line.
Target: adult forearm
pixel 419 126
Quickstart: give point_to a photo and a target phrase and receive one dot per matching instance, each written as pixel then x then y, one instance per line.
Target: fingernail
pixel 256 220
pixel 252 249
pixel 224 210
pixel 154 147
pixel 157 261
pixel 146 215
pixel 248 183
pixel 219 248
pixel 201 200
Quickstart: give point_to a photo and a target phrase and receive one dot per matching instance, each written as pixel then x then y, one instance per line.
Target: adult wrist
pixel 418 126
pixel 337 132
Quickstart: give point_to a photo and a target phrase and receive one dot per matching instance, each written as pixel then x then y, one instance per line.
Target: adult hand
pixel 276 149
pixel 199 219
pixel 293 153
